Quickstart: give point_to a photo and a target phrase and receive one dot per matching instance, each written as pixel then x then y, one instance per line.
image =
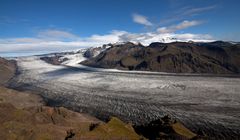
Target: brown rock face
pixel 7 70
pixel 177 57
pixel 53 59
pixel 26 117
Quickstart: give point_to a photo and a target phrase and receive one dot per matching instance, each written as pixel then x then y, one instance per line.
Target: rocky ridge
pixel 177 57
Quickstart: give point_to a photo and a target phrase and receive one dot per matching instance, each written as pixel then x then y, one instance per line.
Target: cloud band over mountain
pixel 54 40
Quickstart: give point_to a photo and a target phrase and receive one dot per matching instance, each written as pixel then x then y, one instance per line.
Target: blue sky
pixel 40 25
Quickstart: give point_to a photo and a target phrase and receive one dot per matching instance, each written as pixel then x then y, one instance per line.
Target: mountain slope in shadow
pixel 176 57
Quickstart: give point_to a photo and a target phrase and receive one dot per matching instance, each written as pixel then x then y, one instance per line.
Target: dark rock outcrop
pixel 167 128
pixel 55 60
pixel 177 57
pixel 92 52
pixel 7 70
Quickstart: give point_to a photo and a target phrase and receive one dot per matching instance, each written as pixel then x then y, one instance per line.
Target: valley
pixel 210 104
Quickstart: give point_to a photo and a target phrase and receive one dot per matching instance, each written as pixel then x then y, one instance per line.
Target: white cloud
pixel 56 34
pixel 44 44
pixel 185 12
pixel 186 24
pixel 198 10
pixel 140 19
pixel 183 25
pixel 55 40
pixel 147 38
pixel 111 37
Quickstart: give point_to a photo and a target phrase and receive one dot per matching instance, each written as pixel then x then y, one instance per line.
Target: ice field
pixel 200 102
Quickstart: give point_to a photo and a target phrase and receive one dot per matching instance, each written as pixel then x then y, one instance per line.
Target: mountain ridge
pixel 176 57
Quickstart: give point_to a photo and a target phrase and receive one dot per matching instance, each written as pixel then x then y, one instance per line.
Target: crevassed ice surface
pixel 208 103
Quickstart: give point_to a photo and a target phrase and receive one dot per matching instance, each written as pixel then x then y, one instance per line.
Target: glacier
pixel 209 103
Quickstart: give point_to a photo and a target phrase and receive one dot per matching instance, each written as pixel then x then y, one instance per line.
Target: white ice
pixel 199 102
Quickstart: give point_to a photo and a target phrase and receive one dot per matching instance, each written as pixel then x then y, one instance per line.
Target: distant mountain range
pixel 177 57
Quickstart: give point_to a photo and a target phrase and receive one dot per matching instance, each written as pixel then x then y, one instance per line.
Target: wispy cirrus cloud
pixel 185 13
pixel 182 14
pixel 6 20
pixel 190 11
pixel 140 19
pixel 56 34
pixel 183 25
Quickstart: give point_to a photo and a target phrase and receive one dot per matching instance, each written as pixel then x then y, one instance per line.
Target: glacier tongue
pixel 199 102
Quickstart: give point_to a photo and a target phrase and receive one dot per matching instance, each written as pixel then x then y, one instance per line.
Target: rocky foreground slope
pixel 29 119
pixel 177 57
pixel 7 70
pixel 24 116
